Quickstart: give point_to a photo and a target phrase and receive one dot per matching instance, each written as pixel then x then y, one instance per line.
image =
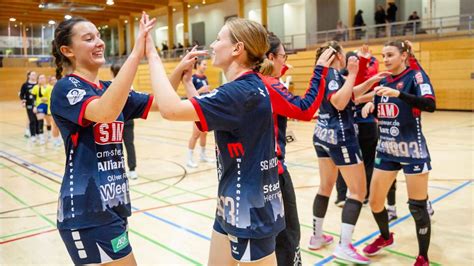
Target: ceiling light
pixel 41 5
pixel 174 9
pixel 16 25
pixel 12 19
pixel 196 7
pixel 110 2
pixel 189 6
pixel 27 29
pixel 21 23
pixel 51 22
pixel 126 21
pixel 203 2
pixel 67 17
pixel 136 19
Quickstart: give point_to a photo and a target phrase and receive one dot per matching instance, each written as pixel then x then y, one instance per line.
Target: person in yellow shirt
pixel 42 93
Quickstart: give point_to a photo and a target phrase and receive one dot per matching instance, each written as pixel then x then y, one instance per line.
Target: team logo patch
pixel 75 95
pixel 399 85
pixel 333 85
pixel 419 78
pixel 120 242
pixel 425 89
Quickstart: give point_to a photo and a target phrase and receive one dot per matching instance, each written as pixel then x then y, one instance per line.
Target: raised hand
pixel 386 91
pixel 364 51
pixel 144 28
pixel 326 58
pixel 353 65
pixel 188 60
pixel 379 76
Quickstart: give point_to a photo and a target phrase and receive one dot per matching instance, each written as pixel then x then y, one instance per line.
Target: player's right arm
pixel 108 107
pixel 341 98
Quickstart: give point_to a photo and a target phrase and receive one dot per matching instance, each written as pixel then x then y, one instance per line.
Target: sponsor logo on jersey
pixel 235 149
pixel 110 133
pixel 74 82
pixel 75 95
pixel 394 131
pixel 419 78
pixel 387 110
pixel 333 85
pixel 425 89
pixel 399 85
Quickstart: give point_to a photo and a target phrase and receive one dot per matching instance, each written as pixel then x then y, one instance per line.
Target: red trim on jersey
pixel 283 70
pixel 100 87
pixel 430 97
pixel 391 79
pixel 148 107
pixel 81 120
pixel 202 123
pixel 330 96
pixel 75 139
pixel 414 63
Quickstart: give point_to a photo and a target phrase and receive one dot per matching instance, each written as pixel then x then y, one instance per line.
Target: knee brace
pixel 419 212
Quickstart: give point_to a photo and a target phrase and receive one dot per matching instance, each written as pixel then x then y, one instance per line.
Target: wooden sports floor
pixel 174 206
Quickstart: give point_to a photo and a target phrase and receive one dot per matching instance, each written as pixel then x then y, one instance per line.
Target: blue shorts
pixel 42 108
pixel 248 249
pixel 97 244
pixel 341 156
pixel 408 169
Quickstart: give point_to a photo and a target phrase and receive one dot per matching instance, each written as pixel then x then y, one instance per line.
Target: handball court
pixel 174 206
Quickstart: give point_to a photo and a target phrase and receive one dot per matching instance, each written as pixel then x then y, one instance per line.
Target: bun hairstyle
pixel 267 65
pixel 62 36
pixel 254 37
pixel 402 46
pixel 329 45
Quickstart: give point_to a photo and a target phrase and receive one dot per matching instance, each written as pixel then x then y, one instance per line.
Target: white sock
pixel 391 207
pixel 346 234
pixel 190 154
pixel 318 226
pixel 203 151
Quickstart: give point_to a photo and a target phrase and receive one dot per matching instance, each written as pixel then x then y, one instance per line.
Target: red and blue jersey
pixel 334 128
pixel 285 105
pixel 249 197
pixel 401 138
pixel 199 81
pixel 95 187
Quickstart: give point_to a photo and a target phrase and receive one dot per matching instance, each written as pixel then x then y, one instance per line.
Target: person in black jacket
pixel 392 16
pixel 359 22
pixel 380 19
pixel 28 101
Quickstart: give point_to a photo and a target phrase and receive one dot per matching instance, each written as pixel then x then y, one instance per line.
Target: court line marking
pixel 182 228
pixel 54 229
pixel 404 218
pixel 24 232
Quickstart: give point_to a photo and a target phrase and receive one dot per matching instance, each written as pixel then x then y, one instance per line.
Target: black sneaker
pixel 340 202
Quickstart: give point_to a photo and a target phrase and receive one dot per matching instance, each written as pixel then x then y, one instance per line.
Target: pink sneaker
pixel 317 243
pixel 421 261
pixel 345 254
pixel 375 247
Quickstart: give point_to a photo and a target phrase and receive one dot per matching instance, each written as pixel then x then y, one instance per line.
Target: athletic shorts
pixel 408 169
pixel 98 245
pixel 341 156
pixel 42 108
pixel 248 250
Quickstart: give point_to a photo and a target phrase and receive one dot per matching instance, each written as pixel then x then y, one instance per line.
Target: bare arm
pixel 108 107
pixel 342 97
pixel 366 85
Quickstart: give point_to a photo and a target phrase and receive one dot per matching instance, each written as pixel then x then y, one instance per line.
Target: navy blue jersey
pixel 334 128
pixel 358 114
pixel 401 139
pixel 249 196
pixel 199 81
pixel 285 105
pixel 95 188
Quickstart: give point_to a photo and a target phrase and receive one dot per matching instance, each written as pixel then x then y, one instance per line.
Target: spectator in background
pixel 359 22
pixel 409 26
pixel 392 16
pixel 341 31
pixel 380 19
pixel 1 58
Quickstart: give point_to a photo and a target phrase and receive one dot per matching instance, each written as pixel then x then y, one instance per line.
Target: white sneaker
pixel 57 142
pixel 191 164
pixel 317 243
pixel 348 253
pixel 33 139
pixel 206 159
pixel 392 213
pixel 429 207
pixel 41 139
pixel 132 175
